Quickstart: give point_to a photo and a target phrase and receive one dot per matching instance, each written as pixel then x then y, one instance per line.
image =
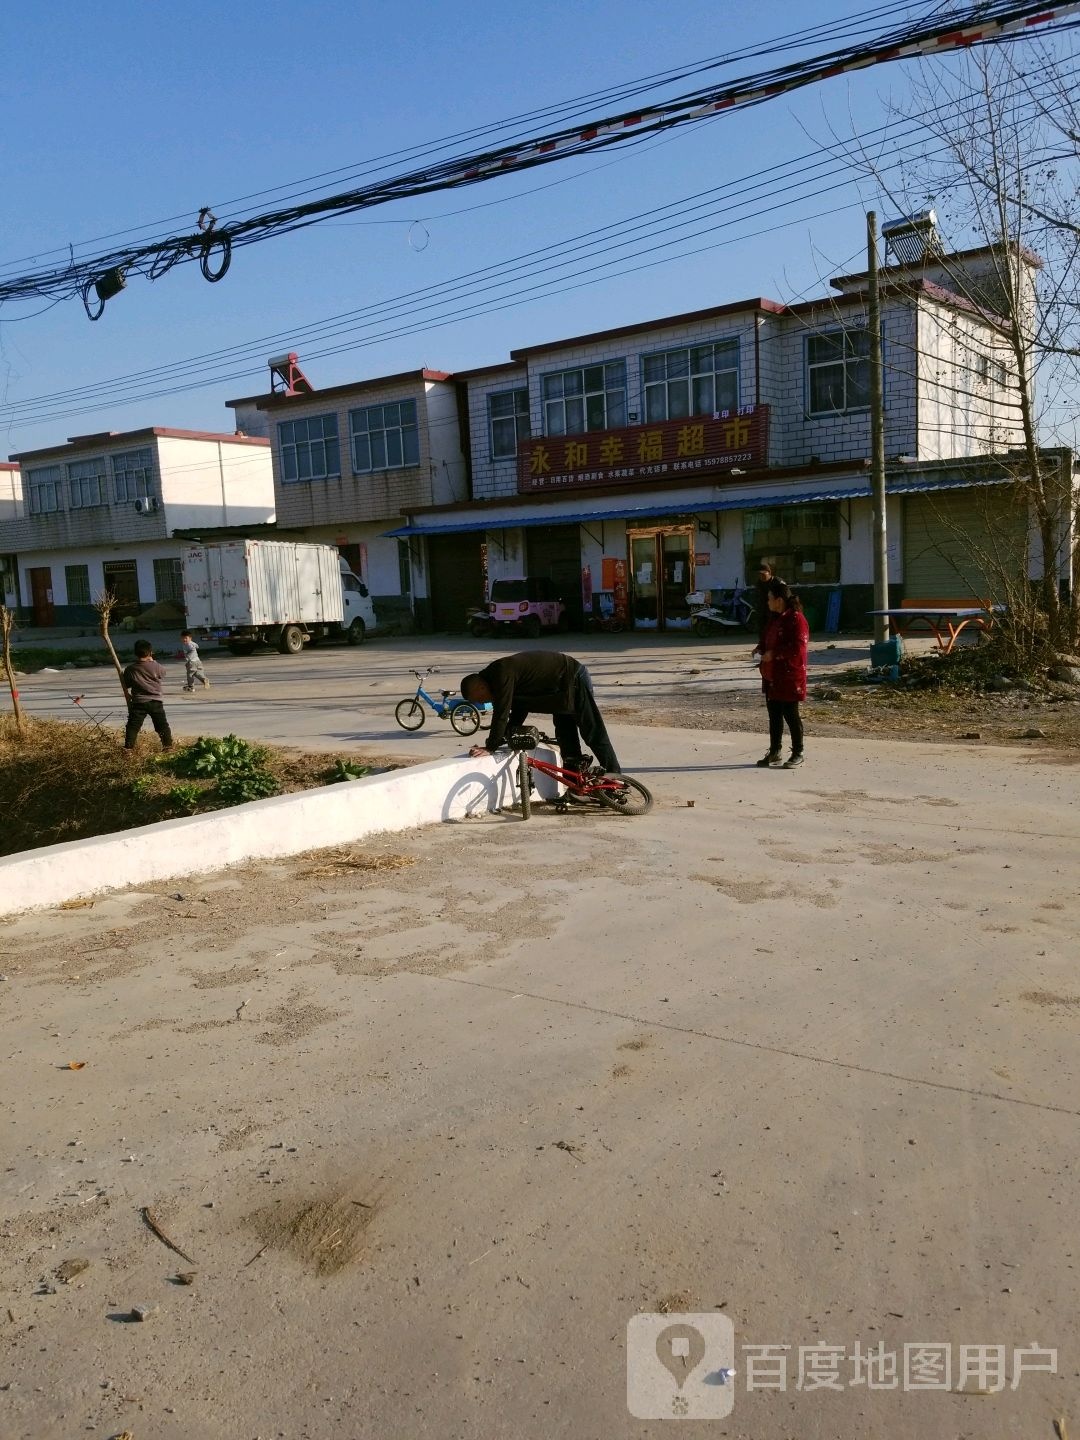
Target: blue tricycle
pixel 464 716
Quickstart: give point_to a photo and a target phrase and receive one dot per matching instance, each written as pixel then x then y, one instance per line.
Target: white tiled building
pixel 351 461
pixel 652 459
pixel 100 513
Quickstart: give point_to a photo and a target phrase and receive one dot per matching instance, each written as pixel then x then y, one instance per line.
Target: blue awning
pixel 530 519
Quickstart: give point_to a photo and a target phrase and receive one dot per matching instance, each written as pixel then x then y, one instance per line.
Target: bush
pixel 239 769
pixel 244 785
pixel 210 757
pixel 347 770
pixel 185 797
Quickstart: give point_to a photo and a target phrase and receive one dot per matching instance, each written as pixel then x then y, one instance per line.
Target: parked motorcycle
pixel 611 624
pixel 479 622
pixel 734 611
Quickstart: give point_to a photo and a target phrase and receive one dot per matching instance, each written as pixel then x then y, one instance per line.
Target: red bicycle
pixel 590 785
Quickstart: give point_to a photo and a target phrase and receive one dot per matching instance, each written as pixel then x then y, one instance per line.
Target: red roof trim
pixel 1035 261
pixel 274 401
pixel 913 288
pixel 113 439
pixel 760 304
pixel 502 368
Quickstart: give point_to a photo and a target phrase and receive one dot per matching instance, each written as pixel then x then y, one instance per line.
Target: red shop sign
pixel 700 446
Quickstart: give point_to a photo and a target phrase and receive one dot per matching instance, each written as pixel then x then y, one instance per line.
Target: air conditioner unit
pixel 146 505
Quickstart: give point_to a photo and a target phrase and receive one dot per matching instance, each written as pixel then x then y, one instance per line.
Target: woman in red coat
pixel 783 672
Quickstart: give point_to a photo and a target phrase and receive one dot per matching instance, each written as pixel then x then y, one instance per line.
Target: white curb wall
pixel 426 794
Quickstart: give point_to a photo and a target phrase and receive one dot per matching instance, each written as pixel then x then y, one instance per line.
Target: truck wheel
pixel 292 640
pixel 355 633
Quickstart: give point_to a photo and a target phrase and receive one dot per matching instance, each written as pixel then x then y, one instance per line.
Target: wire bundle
pixel 96 278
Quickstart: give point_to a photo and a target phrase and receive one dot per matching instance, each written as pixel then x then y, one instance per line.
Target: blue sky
pixel 130 113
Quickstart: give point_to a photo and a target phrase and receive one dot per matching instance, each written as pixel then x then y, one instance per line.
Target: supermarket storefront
pixel 637 556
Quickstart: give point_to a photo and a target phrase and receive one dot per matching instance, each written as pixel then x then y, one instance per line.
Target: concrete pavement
pixel 335 697
pixel 804 1052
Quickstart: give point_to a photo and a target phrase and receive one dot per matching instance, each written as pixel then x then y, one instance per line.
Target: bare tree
pixel 105 604
pixel 1002 169
pixel 7 625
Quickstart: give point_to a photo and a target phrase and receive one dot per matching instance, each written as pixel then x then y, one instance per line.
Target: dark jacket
pixel 786 636
pixel 142 681
pixel 531 680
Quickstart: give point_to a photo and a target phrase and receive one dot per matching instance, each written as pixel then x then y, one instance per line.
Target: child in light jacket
pixel 192 664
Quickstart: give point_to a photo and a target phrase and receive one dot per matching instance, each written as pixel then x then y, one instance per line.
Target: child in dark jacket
pixel 145 697
pixel 783 672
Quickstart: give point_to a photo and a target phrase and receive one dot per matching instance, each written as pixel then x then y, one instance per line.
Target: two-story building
pixel 352 461
pixel 638 464
pixel 99 513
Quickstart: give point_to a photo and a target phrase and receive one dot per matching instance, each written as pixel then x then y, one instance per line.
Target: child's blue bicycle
pixel 464 716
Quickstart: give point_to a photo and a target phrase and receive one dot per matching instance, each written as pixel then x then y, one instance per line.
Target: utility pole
pixel 877 433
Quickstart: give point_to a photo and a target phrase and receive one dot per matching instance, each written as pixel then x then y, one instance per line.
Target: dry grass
pixel 68 781
pixel 342 862
pixel 325 1234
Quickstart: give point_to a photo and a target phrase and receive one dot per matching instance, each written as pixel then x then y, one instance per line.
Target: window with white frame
pixel 384 437
pixel 87 485
pixel 508 422
pixel 593 398
pixel 77 584
pixel 133 475
pixel 309 449
pixel 699 380
pixel 837 372
pixel 43 487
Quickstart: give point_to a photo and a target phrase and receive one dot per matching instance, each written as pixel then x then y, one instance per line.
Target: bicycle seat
pixel 527 738
pixel 446 694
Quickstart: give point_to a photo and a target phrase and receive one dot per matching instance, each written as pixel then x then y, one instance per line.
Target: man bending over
pixel 553 684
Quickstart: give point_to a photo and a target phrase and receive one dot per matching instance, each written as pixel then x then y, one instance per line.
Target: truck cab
pixel 359 611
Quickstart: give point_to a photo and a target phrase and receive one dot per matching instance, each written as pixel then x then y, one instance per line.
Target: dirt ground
pixel 427 1122
pixel 886 713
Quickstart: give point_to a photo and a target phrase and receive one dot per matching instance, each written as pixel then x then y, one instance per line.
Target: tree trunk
pixel 7 624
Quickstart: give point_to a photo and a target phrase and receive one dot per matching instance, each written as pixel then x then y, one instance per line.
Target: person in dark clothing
pixel 761 604
pixel 783 673
pixel 142 689
pixel 554 684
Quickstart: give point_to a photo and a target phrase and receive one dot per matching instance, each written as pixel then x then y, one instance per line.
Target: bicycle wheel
pixel 409 714
pixel 620 793
pixel 524 781
pixel 465 718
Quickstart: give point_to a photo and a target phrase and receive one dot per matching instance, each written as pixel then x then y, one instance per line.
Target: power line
pixel 812 168
pixel 211 245
pixel 564 109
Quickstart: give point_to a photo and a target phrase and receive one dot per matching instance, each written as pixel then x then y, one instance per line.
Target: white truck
pixel 274 592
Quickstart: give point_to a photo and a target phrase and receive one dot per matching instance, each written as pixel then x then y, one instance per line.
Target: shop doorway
pixel 555 551
pixel 661 577
pixel 456 578
pixel 122 580
pixel 41 595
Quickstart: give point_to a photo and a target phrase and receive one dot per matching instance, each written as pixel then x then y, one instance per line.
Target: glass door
pixel 661 576
pixel 676 565
pixel 644 582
